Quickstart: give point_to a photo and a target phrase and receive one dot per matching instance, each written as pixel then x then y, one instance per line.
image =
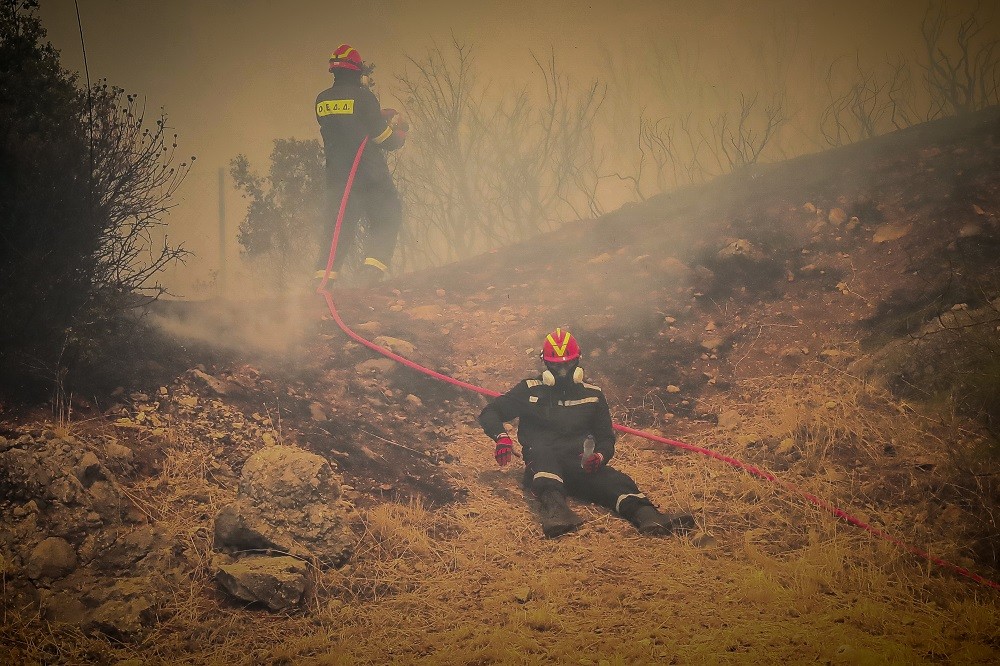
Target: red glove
pixel 505 447
pixel 593 462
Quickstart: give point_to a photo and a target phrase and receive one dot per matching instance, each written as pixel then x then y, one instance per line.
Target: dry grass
pixel 476 584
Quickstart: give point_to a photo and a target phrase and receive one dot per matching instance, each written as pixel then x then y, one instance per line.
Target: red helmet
pixel 560 346
pixel 346 57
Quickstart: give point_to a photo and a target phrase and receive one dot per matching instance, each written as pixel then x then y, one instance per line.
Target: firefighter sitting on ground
pixel 557 413
pixel 348 112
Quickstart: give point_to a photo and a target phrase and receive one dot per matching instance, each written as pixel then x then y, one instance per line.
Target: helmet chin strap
pixel 549 379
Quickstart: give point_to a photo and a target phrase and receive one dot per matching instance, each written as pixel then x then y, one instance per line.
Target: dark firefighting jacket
pixel 553 417
pixel 347 112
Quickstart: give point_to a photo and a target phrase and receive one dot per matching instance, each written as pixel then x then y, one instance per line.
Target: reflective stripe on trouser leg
pixel 545 481
pixel 621 498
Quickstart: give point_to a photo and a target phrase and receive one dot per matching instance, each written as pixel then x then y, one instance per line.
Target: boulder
pixel 276 582
pixel 288 477
pixel 288 502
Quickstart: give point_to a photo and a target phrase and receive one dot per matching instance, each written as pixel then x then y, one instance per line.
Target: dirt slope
pixel 739 316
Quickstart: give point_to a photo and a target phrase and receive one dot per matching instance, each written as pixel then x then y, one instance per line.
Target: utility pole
pixel 222 234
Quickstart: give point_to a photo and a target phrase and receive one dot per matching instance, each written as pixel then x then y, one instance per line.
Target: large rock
pixel 276 582
pixel 287 477
pixel 53 558
pixel 288 503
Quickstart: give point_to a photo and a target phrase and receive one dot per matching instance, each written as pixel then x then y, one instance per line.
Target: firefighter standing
pixel 557 413
pixel 347 113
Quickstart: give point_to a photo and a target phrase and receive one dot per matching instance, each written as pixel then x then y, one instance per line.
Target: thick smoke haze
pixel 234 76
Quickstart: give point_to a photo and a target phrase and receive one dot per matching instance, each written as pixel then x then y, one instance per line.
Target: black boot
pixel 557 517
pixel 651 522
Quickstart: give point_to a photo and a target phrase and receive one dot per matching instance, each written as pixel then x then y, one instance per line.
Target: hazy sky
pixel 233 76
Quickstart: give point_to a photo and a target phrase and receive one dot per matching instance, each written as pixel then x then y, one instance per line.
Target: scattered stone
pixel 853 224
pixel 970 230
pixel 369 328
pixel 891 231
pixel 276 582
pixel 89 469
pixel 601 259
pixel 809 207
pixel 52 559
pixel 837 216
pixel 122 618
pixel 522 595
pixel 414 400
pixel 711 343
pixel 214 384
pixel 118 455
pixel 785 446
pixel 741 248
pixel 395 345
pixel 730 419
pixel 376 366
pixel 673 389
pixel 425 312
pixel 63 607
pixel 317 413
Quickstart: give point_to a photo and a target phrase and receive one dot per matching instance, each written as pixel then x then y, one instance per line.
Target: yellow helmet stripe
pixel 559 347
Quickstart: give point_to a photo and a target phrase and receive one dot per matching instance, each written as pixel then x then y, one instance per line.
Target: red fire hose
pixel 750 469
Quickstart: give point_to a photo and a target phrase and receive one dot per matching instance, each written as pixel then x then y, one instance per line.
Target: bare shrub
pixel 483 169
pixel 86 182
pixel 876 101
pixel 738 144
pixel 961 62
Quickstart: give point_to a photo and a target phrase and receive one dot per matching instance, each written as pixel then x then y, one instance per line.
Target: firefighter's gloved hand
pixel 504 450
pixel 593 462
pixel 395 120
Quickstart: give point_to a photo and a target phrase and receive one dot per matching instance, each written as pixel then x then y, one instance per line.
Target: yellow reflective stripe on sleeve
pixel 384 135
pixel 582 401
pixel 532 383
pixel 591 386
pixel 376 263
pixel 334 107
pixel 532 398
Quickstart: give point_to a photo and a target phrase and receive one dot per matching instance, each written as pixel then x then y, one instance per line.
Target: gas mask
pixel 562 374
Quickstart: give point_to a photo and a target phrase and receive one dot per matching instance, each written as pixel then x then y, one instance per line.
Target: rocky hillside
pixel 833 319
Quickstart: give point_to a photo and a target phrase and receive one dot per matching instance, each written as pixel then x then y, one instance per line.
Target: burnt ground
pixel 717 314
pixel 654 297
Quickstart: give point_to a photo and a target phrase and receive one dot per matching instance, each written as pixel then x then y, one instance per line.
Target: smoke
pixel 256 323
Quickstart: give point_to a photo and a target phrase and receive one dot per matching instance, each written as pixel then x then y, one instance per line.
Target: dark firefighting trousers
pixel 373 197
pixel 548 468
